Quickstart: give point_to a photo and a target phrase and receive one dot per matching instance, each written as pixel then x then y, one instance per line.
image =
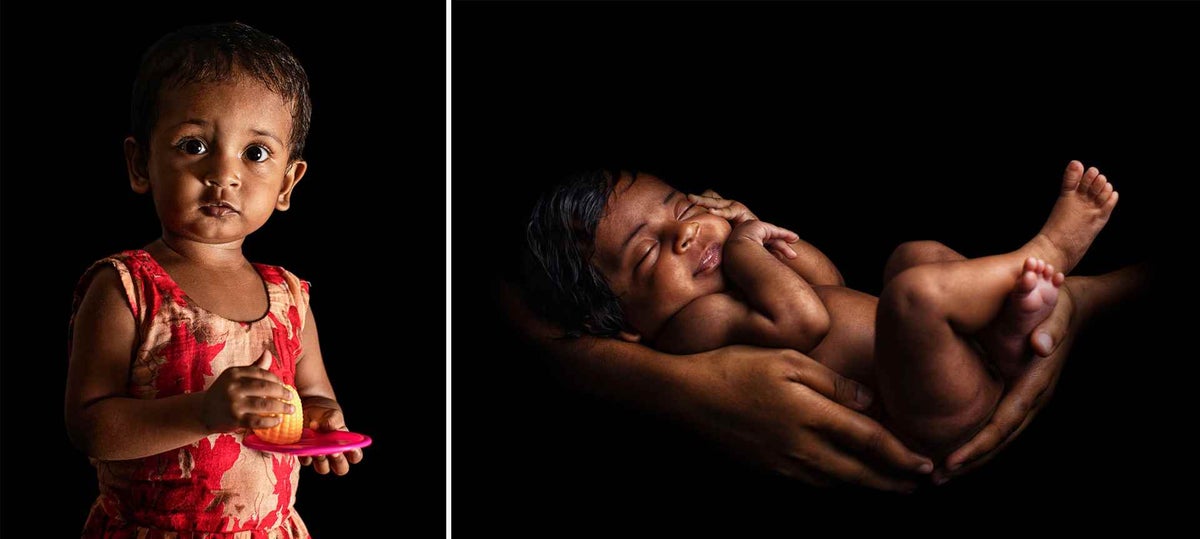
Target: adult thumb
pixel 832 385
pixel 1051 332
pixel 264 361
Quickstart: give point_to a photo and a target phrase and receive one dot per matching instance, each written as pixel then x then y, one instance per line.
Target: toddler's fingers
pixel 264 361
pixel 320 464
pixel 267 406
pixel 337 462
pixel 255 421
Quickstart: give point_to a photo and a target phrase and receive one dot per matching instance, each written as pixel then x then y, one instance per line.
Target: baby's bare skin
pixel 945 328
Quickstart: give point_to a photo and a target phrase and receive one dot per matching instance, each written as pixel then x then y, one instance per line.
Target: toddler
pixel 178 347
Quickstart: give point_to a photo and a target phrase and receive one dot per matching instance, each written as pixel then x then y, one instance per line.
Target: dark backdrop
pixel 859 126
pixel 375 259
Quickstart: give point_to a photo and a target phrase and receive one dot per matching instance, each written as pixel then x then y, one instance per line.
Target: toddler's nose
pixel 223 172
pixel 688 234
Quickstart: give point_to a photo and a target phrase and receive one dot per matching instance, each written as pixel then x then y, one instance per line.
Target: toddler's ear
pixel 291 177
pixel 629 337
pixel 136 161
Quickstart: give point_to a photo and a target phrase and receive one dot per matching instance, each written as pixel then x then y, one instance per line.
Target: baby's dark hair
pixel 561 282
pixel 210 53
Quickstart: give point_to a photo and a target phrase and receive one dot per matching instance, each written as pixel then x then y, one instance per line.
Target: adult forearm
pixel 122 428
pixel 1100 292
pixel 609 368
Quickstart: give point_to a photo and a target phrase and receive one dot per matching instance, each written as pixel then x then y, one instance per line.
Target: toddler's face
pixel 657 250
pixel 218 160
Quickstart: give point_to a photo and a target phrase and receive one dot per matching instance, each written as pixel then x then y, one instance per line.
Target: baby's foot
pixel 1082 209
pixel 1006 339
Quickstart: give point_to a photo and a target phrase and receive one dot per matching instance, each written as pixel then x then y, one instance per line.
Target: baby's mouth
pixel 709 259
pixel 218 209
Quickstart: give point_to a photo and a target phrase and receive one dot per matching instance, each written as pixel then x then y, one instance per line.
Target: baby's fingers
pixel 782 247
pixel 711 203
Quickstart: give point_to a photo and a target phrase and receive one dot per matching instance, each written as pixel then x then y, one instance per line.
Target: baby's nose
pixel 688 234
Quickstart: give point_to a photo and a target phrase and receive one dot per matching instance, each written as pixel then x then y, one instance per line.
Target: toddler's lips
pixel 709 259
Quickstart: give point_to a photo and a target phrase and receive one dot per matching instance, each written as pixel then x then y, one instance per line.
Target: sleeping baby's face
pixel 658 251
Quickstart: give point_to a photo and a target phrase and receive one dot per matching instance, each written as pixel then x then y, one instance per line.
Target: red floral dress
pixel 214 488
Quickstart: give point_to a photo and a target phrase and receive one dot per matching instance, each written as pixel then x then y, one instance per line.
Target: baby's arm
pixel 809 262
pixel 321 409
pixel 781 309
pixel 106 423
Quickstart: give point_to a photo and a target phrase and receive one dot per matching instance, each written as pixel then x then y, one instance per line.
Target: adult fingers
pixel 849 469
pixel 865 437
pixel 1015 409
pixel 823 380
pixel 355 456
pixel 305 461
pixel 942 475
pixel 711 193
pixel 1046 337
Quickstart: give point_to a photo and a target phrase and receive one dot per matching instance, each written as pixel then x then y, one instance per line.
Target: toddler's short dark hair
pixel 561 282
pixel 210 53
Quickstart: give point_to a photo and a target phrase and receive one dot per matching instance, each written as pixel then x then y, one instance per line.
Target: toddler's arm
pixel 106 423
pixel 780 308
pixel 321 409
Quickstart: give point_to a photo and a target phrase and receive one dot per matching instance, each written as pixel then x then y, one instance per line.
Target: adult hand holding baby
pixel 786 411
pixel 1027 395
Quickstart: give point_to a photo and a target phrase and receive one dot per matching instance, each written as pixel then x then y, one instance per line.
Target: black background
pixel 375 259
pixel 859 126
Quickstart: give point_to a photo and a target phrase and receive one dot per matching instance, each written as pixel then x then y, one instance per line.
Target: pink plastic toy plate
pixel 312 443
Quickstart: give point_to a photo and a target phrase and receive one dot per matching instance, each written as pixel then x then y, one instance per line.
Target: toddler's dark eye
pixel 193 146
pixel 257 154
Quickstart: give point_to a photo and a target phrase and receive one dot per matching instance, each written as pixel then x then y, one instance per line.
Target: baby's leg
pixel 933 378
pixel 914 253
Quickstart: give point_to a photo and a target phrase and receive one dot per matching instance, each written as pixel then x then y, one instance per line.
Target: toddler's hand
pixel 737 213
pixel 766 234
pixel 249 397
pixel 322 418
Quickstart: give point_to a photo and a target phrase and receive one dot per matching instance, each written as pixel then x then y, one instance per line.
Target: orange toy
pixel 288 430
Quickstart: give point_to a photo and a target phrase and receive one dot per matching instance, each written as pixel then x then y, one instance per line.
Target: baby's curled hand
pixel 322 415
pixel 249 397
pixel 767 235
pixel 737 213
pixel 732 210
